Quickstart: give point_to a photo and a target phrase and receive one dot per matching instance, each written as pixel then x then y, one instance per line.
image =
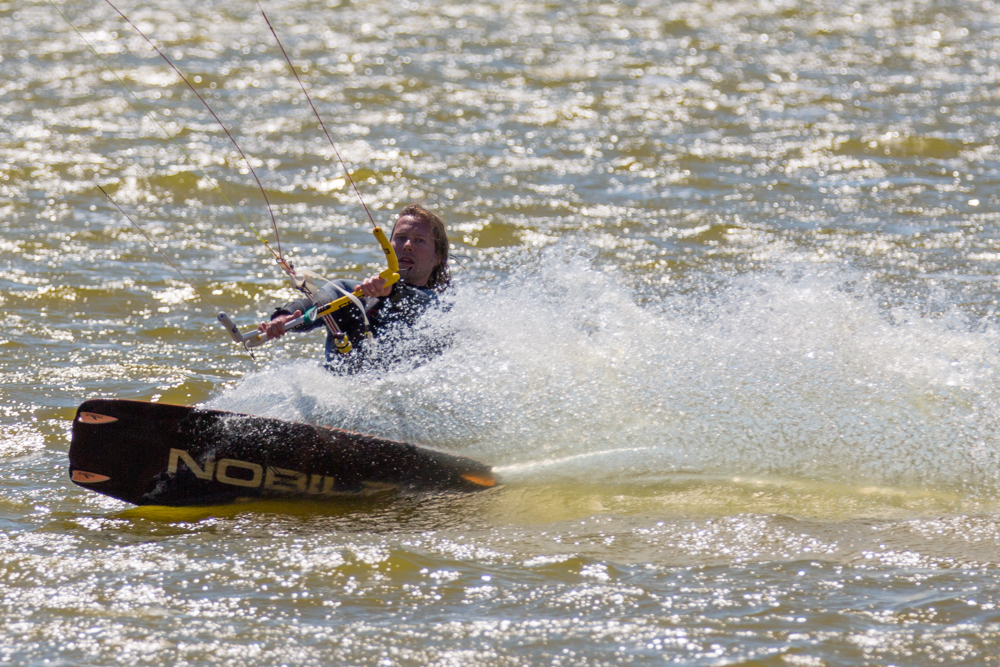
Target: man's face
pixel 413 241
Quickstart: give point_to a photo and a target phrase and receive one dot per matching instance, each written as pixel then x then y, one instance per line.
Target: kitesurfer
pixel 420 240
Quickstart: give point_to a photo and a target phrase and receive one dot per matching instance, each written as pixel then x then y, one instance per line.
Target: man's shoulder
pixel 334 289
pixel 342 283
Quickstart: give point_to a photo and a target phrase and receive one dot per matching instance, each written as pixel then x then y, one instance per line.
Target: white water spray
pixel 559 373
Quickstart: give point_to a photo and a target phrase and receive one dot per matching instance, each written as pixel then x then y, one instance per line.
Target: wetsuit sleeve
pixel 302 304
pixel 324 295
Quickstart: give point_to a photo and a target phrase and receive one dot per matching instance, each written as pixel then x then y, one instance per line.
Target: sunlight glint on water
pixel 725 325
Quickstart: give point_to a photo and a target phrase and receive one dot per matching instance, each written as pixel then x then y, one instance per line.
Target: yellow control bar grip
pixel 391 275
pixel 390 256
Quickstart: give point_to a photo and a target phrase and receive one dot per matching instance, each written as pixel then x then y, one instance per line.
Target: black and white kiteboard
pixel 158 454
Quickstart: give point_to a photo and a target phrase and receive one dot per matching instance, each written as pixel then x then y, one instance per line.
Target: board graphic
pixel 159 454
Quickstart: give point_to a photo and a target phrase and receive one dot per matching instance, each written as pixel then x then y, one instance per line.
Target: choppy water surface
pixel 725 325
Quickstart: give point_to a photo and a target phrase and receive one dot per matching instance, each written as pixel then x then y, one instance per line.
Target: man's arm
pixel 276 327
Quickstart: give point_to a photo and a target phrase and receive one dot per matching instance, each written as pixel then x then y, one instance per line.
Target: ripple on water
pixel 724 326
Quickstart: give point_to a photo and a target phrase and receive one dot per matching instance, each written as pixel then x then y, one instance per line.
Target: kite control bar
pixel 253 338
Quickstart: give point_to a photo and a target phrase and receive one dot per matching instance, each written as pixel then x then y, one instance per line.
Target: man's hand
pixel 276 327
pixel 375 287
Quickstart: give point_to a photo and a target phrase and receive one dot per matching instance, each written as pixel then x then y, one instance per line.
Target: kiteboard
pixel 159 454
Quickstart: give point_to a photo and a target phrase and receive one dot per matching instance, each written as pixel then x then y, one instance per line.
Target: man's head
pixel 421 244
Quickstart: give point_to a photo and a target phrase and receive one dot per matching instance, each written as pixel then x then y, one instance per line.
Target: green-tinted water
pixel 725 325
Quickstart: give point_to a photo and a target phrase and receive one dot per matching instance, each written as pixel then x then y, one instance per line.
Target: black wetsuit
pixel 401 308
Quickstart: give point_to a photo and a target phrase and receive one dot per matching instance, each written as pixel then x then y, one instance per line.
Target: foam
pixel 560 371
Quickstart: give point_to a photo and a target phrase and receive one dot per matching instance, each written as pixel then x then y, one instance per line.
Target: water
pixel 725 324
